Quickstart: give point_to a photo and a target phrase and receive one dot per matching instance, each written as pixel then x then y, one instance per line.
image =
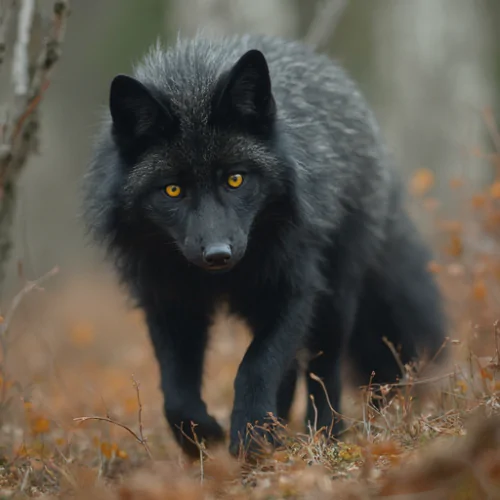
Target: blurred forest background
pixel 428 67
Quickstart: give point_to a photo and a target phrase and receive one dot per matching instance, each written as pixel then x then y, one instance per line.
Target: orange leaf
pixel 495 190
pixel 22 451
pixel 486 374
pixel 385 448
pixel 462 385
pixel 492 221
pixel 455 248
pixel 122 454
pixel 479 290
pixel 40 425
pixel 106 450
pixel 422 181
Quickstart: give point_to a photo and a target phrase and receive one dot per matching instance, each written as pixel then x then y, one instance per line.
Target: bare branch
pixel 16 302
pixel 326 18
pixel 139 437
pixel 34 57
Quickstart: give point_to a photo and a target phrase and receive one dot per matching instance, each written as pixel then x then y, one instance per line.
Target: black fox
pixel 250 169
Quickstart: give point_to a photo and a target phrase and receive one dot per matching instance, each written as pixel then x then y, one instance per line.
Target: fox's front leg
pixel 179 338
pixel 279 328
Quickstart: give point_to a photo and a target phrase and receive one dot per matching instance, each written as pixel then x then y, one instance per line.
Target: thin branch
pixel 326 18
pixel 138 437
pixel 397 358
pixel 411 383
pixel 123 426
pixel 335 413
pixel 17 300
pixel 139 416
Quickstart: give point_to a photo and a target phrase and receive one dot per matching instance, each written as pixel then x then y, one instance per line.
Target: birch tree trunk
pixel 34 49
pixel 433 69
pixel 278 17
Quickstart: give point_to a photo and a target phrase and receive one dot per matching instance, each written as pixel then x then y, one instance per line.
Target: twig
pixel 326 18
pixel 24 483
pixel 139 415
pixel 138 437
pixel 335 413
pixel 4 326
pixel 17 300
pixel 32 106
pixel 397 358
pixel 315 408
pixel 123 426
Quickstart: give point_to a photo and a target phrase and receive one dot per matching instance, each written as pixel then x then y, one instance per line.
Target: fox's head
pixel 197 157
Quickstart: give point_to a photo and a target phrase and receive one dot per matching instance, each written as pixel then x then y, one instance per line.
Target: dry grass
pixel 75 350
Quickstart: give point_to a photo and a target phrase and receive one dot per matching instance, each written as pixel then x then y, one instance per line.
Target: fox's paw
pixel 195 431
pixel 255 441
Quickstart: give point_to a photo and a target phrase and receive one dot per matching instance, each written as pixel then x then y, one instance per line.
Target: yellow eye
pixel 173 190
pixel 235 180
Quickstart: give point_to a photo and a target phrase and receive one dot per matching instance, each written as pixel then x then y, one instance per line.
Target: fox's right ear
pixel 135 111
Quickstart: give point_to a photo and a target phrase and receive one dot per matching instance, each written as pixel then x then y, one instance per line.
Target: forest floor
pixel 76 350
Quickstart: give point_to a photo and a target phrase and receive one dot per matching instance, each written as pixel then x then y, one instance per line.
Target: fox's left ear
pixel 245 91
pixel 136 113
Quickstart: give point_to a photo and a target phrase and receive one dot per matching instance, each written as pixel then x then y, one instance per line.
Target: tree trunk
pixel 278 17
pixel 433 64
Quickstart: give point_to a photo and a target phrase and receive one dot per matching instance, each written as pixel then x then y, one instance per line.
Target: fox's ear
pixel 245 91
pixel 134 110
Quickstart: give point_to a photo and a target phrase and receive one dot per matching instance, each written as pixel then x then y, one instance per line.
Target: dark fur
pixel 324 255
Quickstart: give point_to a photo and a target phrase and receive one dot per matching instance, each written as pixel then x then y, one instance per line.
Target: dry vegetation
pixel 76 350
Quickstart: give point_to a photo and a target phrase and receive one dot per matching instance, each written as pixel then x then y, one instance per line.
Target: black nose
pixel 218 255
